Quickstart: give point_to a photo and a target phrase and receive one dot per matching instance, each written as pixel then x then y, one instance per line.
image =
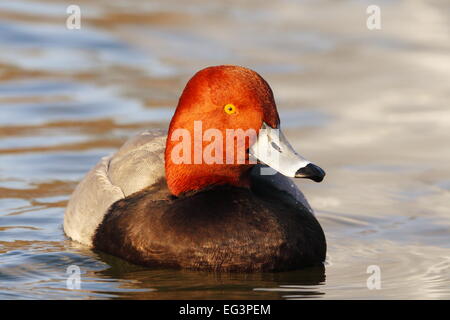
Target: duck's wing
pixel 268 183
pixel 138 164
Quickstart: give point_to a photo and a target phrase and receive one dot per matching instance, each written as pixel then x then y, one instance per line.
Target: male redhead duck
pixel 186 199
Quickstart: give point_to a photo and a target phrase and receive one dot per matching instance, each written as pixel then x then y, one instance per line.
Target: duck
pixel 214 192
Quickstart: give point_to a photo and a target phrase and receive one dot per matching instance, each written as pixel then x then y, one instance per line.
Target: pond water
pixel 370 107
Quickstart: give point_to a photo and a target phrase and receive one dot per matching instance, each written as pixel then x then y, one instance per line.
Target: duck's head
pixel 227 118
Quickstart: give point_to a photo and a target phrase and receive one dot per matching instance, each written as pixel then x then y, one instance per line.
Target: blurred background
pixel 371 107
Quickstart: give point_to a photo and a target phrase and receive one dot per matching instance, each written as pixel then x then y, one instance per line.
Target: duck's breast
pixel 223 228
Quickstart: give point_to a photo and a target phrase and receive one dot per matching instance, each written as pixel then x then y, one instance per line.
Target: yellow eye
pixel 230 108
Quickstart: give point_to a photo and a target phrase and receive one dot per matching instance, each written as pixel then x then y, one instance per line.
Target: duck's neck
pixel 182 178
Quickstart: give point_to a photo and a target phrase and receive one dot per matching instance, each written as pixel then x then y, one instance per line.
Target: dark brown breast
pixel 222 228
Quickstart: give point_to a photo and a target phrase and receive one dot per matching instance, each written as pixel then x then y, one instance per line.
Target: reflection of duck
pixel 196 284
pixel 144 205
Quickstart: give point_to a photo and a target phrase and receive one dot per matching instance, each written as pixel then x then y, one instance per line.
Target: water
pixel 371 107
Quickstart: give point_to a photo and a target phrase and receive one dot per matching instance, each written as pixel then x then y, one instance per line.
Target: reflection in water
pixel 371 107
pixel 167 284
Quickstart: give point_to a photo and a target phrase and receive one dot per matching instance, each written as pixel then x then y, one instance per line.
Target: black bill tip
pixel 311 171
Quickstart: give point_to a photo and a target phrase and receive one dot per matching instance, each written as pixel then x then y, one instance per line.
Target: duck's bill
pixel 273 149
